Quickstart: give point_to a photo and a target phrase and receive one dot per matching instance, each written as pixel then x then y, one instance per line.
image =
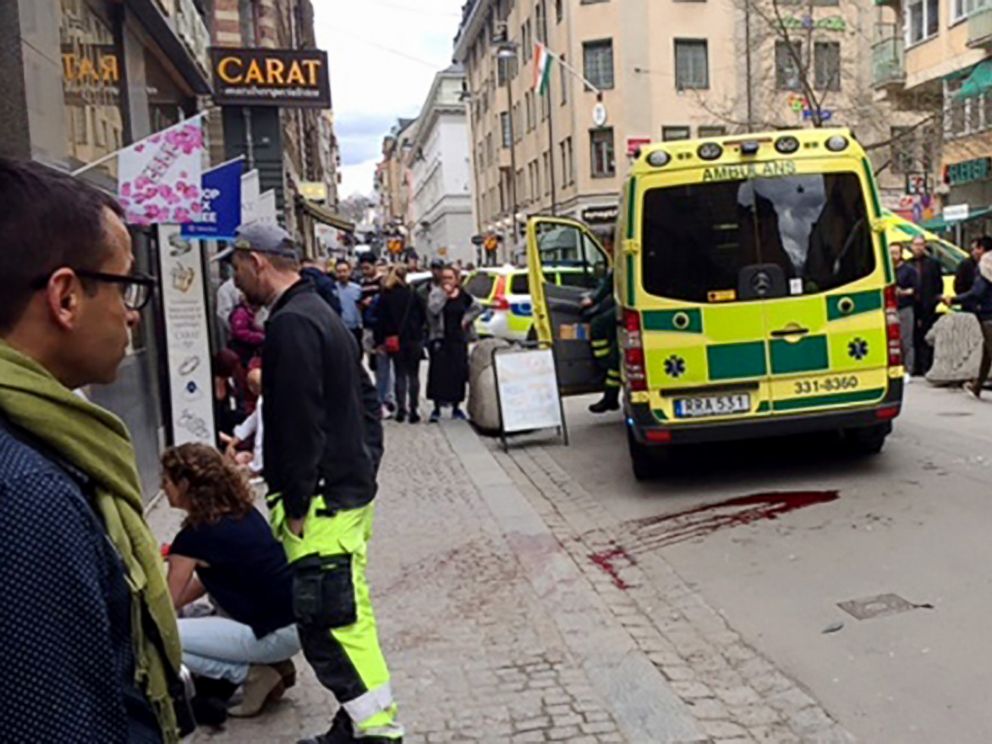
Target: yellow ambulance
pixel 754 294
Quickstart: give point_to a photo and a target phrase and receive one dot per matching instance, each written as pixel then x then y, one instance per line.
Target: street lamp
pixel 504 53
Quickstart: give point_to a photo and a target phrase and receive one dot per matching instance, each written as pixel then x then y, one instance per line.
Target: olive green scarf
pixel 97 442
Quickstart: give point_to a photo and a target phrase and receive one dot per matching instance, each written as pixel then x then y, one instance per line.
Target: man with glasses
pixel 322 445
pixel 78 564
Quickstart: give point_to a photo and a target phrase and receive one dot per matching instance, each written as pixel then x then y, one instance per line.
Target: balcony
pixel 980 29
pixel 888 63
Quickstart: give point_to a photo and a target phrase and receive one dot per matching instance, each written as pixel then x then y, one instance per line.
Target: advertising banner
pixel 159 177
pixel 221 204
pixel 187 341
pixel 271 77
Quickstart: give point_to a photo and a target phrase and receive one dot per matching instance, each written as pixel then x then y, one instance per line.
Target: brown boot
pixel 287 671
pixel 264 683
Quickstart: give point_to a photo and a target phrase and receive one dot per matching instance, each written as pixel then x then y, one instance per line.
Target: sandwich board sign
pixel 527 391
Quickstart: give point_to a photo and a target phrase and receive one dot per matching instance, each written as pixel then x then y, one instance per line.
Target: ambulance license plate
pixel 712 405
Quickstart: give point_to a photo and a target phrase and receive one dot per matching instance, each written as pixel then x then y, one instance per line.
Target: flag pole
pixel 118 151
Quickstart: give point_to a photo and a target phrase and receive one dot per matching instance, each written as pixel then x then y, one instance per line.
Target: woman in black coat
pixel 400 331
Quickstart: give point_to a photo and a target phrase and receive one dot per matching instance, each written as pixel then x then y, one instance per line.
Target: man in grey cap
pixel 322 446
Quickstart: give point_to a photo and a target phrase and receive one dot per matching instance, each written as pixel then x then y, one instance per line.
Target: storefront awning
pixel 979 81
pixel 939 224
pixel 327 216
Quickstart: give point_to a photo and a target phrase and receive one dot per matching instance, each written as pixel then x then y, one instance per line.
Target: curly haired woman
pixel 226 548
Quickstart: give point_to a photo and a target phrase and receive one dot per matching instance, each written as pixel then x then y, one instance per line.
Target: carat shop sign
pixel 271 77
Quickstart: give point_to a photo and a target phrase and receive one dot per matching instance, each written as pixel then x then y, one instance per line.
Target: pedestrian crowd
pixel 929 342
pixel 104 630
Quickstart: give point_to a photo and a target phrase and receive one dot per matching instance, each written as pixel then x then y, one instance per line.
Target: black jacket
pixel 326 286
pixel 978 298
pixel 931 285
pixel 401 312
pixel 964 276
pixel 321 415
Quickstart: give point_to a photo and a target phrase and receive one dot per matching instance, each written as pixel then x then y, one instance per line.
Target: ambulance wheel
pixel 868 440
pixel 645 461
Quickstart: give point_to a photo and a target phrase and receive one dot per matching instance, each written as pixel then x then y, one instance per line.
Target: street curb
pixel 644 704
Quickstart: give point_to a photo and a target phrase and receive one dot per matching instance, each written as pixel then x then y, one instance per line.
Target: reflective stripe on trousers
pixel 347 660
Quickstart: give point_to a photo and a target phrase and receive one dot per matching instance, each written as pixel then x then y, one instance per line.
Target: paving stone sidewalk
pixel 476 654
pixel 737 694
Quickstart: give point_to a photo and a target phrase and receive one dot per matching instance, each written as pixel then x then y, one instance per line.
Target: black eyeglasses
pixel 136 289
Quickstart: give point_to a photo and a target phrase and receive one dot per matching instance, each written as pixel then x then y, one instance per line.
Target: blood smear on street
pixel 652 533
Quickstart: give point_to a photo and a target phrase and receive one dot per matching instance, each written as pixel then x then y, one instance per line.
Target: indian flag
pixel 542 68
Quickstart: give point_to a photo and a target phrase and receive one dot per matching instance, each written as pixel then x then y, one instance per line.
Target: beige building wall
pixel 933 68
pixel 646 99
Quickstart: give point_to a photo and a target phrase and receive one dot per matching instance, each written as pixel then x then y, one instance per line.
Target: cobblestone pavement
pixel 736 693
pixel 474 653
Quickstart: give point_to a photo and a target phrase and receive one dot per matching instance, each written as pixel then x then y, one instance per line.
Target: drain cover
pixel 877 606
pixel 955 413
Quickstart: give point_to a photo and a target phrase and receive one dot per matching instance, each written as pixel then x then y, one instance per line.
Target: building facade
pixel 937 54
pixel 289 146
pixel 392 183
pixel 664 70
pixel 80 79
pixel 440 173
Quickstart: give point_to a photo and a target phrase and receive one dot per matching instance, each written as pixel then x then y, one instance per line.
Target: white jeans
pixel 221 648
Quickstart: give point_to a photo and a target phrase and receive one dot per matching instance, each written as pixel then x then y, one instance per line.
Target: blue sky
pixel 383 56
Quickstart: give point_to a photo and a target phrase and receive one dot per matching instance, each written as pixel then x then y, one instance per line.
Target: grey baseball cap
pixel 261 237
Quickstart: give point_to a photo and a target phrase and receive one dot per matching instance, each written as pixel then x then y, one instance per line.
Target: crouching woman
pixel 226 549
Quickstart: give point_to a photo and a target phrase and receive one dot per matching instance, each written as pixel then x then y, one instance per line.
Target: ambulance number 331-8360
pixel 826 385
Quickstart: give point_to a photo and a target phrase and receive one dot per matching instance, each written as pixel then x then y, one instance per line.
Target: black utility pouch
pixel 323 592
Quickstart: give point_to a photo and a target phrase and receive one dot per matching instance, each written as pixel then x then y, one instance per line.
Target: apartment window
pixel 489 148
pixel 826 65
pixel 559 11
pixel 963 116
pixel 712 131
pixel 598 63
pixel 529 102
pixel 564 81
pixel 567 162
pixel 961 9
pixel 922 20
pixel 601 153
pixel 787 72
pixel 592 2
pixel 571 161
pixel 502 70
pixel 545 105
pixel 540 21
pixel 691 66
pixel 546 157
pixel 502 196
pixel 669 134
pixel 505 128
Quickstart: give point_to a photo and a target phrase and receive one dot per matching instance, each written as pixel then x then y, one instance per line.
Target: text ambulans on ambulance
pixel 754 294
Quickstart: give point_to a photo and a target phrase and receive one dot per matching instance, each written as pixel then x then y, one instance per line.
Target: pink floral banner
pixel 159 177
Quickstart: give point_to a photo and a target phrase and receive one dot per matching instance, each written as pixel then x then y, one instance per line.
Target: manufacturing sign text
pixel 270 77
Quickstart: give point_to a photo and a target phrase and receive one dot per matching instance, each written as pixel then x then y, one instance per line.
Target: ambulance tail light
pixel 633 351
pixel 893 329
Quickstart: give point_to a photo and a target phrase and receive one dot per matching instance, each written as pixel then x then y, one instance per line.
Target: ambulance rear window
pixel 698 238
